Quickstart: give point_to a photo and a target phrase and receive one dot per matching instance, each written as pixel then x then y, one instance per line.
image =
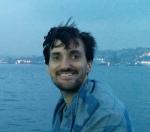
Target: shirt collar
pixel 71 109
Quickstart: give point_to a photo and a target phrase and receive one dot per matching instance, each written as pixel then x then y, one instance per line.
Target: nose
pixel 65 63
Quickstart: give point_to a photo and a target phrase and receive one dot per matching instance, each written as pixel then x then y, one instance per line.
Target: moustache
pixel 72 71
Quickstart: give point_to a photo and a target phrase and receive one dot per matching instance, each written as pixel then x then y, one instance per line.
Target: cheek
pixel 50 70
pixel 84 67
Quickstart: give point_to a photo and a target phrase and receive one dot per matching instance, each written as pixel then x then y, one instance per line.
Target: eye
pixel 55 57
pixel 75 56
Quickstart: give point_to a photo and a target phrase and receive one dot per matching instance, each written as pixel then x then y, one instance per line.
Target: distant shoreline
pixel 132 57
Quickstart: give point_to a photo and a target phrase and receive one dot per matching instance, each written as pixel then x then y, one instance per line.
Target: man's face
pixel 68 67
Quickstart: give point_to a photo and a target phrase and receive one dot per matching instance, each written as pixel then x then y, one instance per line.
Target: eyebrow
pixel 75 51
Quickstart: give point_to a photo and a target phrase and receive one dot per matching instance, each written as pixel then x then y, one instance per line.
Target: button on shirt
pixel 93 109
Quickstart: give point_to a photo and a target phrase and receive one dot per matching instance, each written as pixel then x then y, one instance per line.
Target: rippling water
pixel 27 96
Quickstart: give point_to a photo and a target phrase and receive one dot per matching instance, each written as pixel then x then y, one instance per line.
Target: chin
pixel 69 87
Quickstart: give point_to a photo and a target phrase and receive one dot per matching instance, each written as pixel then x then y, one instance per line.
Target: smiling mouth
pixel 67 75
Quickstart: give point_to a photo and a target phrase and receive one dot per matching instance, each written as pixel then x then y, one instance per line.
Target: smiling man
pixel 68 66
pixel 85 105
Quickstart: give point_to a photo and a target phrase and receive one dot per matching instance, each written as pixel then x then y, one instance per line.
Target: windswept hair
pixel 67 33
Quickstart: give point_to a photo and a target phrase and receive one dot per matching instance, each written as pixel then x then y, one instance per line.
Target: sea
pixel 28 97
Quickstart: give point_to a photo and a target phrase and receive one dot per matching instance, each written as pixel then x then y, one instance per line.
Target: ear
pixel 89 66
pixel 47 68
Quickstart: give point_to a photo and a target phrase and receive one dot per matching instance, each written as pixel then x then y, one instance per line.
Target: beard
pixel 72 88
pixel 70 85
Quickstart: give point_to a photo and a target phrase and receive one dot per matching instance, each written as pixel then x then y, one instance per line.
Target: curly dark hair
pixel 66 34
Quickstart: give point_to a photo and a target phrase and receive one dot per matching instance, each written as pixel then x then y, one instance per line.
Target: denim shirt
pixel 93 109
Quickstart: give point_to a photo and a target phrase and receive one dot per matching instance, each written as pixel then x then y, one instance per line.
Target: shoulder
pixel 98 96
pixel 110 113
pixel 58 109
pixel 104 95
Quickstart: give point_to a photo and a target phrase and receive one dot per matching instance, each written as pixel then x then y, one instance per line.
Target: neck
pixel 68 96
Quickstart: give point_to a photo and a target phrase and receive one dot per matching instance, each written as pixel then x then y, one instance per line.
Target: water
pixel 28 97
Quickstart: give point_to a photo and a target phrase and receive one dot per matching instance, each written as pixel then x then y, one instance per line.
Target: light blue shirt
pixel 93 109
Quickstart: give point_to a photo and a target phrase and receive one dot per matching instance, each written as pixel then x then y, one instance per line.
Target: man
pixel 86 105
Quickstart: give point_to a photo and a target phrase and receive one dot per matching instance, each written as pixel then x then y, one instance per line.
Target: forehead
pixel 59 45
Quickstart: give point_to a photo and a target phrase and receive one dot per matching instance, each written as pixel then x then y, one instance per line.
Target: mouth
pixel 67 75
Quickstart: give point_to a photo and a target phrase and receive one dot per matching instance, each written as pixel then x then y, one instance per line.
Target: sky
pixel 115 24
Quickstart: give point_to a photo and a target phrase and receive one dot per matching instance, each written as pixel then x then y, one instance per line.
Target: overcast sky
pixel 115 24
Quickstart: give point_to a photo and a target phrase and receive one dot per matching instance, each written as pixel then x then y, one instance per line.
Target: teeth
pixel 66 74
